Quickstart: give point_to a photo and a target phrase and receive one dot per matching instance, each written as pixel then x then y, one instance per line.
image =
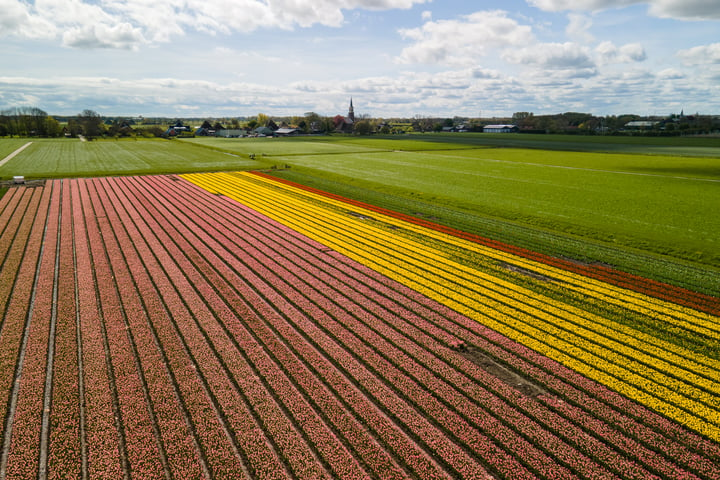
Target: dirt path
pixel 10 157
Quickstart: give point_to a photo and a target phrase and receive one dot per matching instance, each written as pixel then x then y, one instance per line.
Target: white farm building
pixel 500 128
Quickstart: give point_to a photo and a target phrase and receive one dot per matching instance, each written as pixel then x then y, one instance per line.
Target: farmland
pixel 652 215
pixel 46 158
pixel 155 329
pixel 358 309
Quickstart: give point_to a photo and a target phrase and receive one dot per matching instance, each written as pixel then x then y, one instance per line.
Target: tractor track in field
pixel 14 154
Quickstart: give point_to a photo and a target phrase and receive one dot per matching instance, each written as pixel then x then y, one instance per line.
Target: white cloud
pixel 701 55
pixel 130 23
pixel 459 42
pixel 122 36
pixel 13 15
pixel 553 56
pixel 579 5
pixel 671 74
pixel 686 9
pixel 609 53
pixel 681 9
pixel 578 28
pixel 16 18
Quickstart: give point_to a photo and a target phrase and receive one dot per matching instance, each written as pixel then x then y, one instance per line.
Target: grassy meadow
pixel 596 199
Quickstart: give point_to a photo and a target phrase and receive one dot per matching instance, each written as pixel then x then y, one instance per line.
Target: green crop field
pixel 59 158
pixel 8 146
pixel 642 204
pixel 653 215
pixel 682 146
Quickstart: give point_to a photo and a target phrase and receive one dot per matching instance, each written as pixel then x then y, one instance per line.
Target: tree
pixel 338 121
pixel 327 125
pixel 523 119
pixel 91 123
pixel 262 119
pixel 423 124
pixel 52 127
pixel 363 127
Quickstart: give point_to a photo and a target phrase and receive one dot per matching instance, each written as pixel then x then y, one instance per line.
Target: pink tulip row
pixel 332 409
pixel 12 210
pixel 24 453
pixel 65 449
pixel 180 332
pixel 16 281
pixel 192 325
pixel 105 454
pixel 653 460
pixel 212 342
pixel 140 445
pixel 168 333
pixel 361 297
pixel 266 312
pixel 252 255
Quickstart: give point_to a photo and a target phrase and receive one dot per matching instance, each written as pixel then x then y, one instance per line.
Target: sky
pixel 394 58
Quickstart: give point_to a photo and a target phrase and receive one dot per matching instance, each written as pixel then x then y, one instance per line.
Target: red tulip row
pixel 576 433
pixel 664 291
pixel 187 336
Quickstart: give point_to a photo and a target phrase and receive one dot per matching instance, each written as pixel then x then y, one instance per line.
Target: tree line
pixel 33 121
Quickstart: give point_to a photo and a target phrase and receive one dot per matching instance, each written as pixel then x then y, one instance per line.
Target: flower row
pixel 233 190
pixel 607 275
pixel 187 335
pixel 316 221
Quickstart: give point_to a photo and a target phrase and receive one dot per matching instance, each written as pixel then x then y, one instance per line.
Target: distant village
pixel 31 121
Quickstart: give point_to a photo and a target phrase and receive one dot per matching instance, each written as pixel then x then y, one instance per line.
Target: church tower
pixel 351 112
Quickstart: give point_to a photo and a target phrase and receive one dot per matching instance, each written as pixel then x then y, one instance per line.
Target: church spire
pixel 351 111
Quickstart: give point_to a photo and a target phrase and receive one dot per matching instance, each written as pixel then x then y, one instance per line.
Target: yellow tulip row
pixel 677 382
pixel 665 311
pixel 596 290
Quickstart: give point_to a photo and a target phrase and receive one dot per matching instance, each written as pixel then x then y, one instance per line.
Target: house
pixel 500 129
pixel 179 130
pixel 231 133
pixel 640 125
pixel 263 132
pixel 286 132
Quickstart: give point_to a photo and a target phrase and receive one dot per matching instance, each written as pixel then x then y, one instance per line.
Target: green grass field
pixel 681 146
pixel 654 214
pixel 60 158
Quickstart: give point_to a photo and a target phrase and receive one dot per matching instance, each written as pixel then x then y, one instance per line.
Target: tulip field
pixel 234 325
